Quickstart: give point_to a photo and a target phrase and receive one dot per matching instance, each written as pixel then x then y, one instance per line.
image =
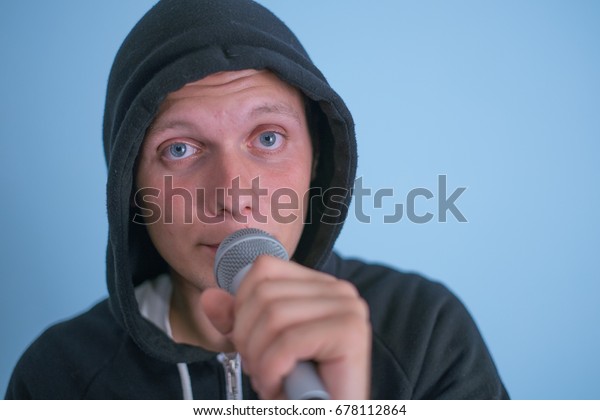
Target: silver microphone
pixel 234 258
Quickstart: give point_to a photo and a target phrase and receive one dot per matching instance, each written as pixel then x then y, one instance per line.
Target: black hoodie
pixel 425 344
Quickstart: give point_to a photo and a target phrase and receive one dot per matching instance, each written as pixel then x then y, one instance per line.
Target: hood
pixel 178 42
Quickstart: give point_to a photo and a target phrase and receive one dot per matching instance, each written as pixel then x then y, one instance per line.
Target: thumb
pixel 218 306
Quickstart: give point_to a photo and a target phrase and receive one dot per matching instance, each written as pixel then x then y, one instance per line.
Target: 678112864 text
pixel 370 410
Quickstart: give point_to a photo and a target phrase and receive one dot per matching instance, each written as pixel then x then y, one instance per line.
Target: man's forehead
pixel 227 76
pixel 289 102
pixel 225 82
pixel 262 90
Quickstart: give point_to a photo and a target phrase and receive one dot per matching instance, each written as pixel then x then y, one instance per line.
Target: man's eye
pixel 177 151
pixel 270 140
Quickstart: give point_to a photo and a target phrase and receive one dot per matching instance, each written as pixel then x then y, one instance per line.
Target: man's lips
pixel 212 248
pixel 206 242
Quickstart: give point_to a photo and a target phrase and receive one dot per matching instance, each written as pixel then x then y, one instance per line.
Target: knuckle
pixel 357 316
pixel 329 277
pixel 360 330
pixel 259 262
pixel 264 263
pixel 262 292
pixel 345 288
pixel 271 318
pixel 363 309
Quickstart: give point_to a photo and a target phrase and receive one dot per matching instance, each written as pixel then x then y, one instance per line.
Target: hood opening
pixel 181 41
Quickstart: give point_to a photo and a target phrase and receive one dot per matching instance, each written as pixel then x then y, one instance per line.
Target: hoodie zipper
pixel 233 375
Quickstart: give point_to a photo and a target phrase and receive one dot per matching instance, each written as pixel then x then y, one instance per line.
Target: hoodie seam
pixel 377 338
pixel 107 362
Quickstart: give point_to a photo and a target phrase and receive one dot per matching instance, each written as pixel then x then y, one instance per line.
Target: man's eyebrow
pixel 275 108
pixel 157 126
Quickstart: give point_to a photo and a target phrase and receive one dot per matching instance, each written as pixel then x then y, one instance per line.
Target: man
pixel 214 112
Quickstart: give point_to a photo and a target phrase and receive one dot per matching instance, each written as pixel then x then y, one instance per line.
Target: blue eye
pixel 269 139
pixel 180 150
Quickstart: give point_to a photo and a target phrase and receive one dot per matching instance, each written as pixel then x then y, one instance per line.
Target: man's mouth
pixel 213 248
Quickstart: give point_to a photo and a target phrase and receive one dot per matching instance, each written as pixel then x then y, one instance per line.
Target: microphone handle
pixel 302 383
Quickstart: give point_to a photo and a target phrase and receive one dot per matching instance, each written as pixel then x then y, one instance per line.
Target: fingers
pixel 285 313
pixel 340 345
pixel 267 268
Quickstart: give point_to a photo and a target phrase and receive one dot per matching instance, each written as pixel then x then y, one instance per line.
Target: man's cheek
pixel 178 203
pixel 148 210
pixel 285 206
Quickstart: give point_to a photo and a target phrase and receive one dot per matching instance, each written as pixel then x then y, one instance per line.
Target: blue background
pixel 503 97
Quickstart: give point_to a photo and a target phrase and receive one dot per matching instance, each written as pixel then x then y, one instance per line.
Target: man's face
pixel 227 152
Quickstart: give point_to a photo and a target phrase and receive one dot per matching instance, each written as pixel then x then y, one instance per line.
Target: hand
pixel 284 313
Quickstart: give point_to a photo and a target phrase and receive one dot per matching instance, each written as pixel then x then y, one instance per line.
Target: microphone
pixel 233 260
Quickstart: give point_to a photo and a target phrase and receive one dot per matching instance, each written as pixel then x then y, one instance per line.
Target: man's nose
pixel 231 190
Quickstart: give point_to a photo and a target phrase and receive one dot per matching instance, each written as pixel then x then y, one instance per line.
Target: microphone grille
pixel 240 249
